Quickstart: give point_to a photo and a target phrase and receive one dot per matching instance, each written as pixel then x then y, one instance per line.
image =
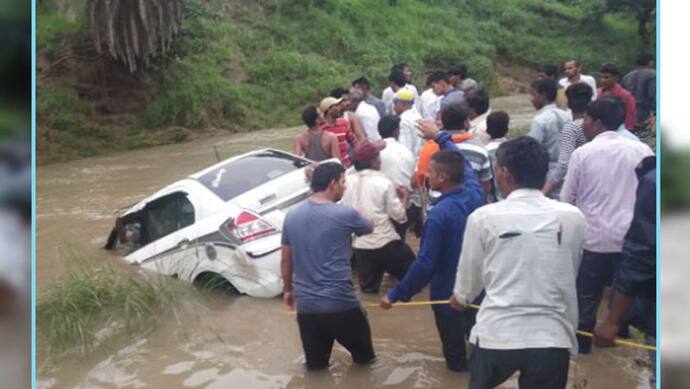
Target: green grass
pixel 59 22
pixel 91 297
pixel 257 64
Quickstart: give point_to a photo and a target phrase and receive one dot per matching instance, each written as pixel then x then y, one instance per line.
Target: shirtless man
pixel 315 143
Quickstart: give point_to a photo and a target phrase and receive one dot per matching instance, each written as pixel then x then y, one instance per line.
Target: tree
pixel 133 31
pixel 643 10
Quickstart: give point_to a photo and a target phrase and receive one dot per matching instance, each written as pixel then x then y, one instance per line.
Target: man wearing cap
pixel 336 124
pixel 362 84
pixel 403 106
pixel 375 196
pixel 367 113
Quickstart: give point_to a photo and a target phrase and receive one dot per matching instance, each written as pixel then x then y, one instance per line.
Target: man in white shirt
pixel 601 182
pixel 403 106
pixel 477 112
pixel 367 113
pixel 430 104
pixel 399 78
pixel 572 69
pixel 525 253
pixel 398 164
pixel 362 84
pixel 375 196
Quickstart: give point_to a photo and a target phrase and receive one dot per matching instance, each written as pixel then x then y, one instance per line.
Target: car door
pixel 167 223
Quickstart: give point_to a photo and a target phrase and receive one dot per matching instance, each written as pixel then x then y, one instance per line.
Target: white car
pixel 222 223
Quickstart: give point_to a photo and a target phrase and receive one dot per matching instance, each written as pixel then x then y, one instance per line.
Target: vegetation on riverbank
pixel 249 65
pixel 95 302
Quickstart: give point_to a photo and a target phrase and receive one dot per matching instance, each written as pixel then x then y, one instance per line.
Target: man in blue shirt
pixel 437 261
pixel 317 245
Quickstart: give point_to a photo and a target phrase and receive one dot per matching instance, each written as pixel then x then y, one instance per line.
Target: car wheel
pixel 214 282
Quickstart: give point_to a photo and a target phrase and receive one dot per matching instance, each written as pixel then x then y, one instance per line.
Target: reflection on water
pixel 237 341
pixel 246 342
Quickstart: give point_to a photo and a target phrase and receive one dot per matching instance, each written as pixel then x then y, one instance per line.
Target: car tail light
pixel 248 226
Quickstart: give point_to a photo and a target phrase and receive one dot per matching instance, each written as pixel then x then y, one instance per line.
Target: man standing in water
pixel 449 173
pixel 316 249
pixel 524 252
pixel 315 143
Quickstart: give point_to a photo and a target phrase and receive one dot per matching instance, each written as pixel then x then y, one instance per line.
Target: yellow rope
pixel 619 342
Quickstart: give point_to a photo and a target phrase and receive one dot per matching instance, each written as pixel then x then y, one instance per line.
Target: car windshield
pixel 238 176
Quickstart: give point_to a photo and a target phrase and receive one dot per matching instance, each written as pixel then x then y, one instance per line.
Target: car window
pixel 236 177
pixel 167 215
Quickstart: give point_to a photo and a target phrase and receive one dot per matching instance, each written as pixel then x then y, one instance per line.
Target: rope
pixel 618 342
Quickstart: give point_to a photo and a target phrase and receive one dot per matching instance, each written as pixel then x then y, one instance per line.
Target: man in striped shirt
pixel 334 123
pixel 497 128
pixel 572 137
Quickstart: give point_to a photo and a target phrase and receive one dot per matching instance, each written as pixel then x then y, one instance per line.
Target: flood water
pixel 239 341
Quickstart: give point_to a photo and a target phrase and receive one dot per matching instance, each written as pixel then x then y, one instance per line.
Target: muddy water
pixel 237 341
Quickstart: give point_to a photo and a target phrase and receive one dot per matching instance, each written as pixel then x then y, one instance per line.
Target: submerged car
pixel 222 223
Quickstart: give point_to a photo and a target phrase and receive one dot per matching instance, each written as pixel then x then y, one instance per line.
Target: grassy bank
pixel 94 302
pixel 249 65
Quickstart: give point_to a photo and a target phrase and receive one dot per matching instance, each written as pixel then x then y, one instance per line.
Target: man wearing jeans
pixel 316 244
pixel 601 182
pixel 524 252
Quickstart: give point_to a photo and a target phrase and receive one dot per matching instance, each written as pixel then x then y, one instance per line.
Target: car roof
pixel 192 182
pixel 235 158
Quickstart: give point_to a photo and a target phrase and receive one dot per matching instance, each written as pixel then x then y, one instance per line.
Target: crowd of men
pixel 531 228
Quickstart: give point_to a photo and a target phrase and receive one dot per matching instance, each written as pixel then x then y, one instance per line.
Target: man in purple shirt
pixel 601 182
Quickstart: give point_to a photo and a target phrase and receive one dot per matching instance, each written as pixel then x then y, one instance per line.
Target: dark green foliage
pixel 254 65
